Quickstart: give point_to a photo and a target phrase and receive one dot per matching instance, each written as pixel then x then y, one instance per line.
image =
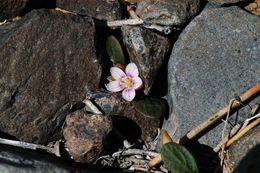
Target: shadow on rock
pixel 207 159
pixel 13 159
pixel 126 128
pixel 250 163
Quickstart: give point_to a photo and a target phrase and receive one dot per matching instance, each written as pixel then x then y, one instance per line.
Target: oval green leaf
pixel 114 50
pixel 151 107
pixel 178 159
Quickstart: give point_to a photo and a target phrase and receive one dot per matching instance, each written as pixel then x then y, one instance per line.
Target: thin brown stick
pixel 242 132
pixel 232 133
pixel 245 98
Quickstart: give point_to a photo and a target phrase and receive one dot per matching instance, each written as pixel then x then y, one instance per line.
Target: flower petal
pixel 131 70
pixel 117 73
pixel 137 82
pixel 128 94
pixel 114 86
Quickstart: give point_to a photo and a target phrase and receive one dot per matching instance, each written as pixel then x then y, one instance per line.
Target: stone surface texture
pixel 125 115
pixel 215 58
pixel 11 8
pixel 18 160
pixel 85 135
pixel 47 60
pixel 238 150
pixel 167 12
pixel 227 1
pixel 99 9
pixel 147 50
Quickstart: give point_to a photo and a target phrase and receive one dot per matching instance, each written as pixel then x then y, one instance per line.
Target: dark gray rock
pixel 47 60
pixel 227 1
pixel 147 50
pixel 99 9
pixel 238 150
pixel 11 8
pixel 85 135
pixel 216 57
pixel 13 159
pixel 127 120
pixel 167 12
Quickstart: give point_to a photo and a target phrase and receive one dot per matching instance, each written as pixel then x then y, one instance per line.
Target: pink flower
pixel 127 81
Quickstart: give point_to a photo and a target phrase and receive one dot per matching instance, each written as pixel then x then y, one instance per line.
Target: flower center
pixel 126 82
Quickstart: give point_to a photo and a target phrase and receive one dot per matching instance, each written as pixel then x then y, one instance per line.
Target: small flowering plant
pixel 128 81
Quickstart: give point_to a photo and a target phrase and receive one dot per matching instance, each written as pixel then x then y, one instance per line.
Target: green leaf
pixel 178 159
pixel 114 50
pixel 151 107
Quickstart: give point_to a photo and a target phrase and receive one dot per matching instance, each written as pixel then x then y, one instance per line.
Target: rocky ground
pixel 193 57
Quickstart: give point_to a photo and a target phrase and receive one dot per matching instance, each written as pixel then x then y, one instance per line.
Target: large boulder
pixel 47 60
pixel 216 57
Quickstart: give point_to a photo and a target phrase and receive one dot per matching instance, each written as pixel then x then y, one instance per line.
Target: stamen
pixel 126 82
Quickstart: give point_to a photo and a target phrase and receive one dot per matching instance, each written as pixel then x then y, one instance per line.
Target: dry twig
pixel 242 132
pixel 135 152
pixel 91 107
pixel 125 22
pixel 224 129
pixel 1 23
pixel 223 141
pixel 25 145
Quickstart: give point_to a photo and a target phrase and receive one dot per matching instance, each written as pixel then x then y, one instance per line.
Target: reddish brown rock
pixel 47 60
pixel 85 135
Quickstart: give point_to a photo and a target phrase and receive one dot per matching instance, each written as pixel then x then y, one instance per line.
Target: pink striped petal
pixel 117 73
pixel 137 82
pixel 128 94
pixel 131 70
pixel 114 86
